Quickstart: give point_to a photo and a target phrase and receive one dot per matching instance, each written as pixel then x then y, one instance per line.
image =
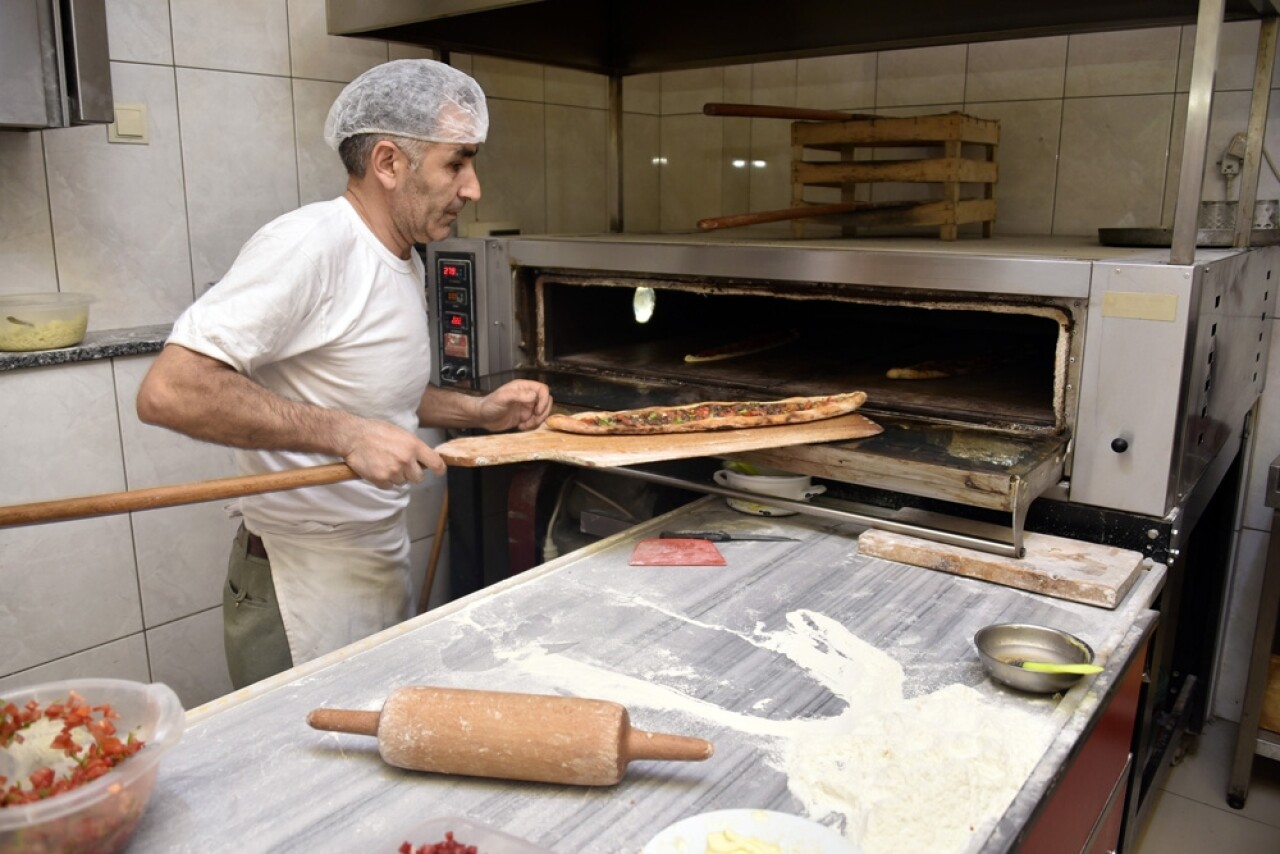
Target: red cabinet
pixel 1085 810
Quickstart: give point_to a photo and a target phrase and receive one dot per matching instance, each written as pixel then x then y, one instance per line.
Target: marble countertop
pixel 756 656
pixel 104 344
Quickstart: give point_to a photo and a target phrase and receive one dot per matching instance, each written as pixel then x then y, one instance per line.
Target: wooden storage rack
pixel 952 170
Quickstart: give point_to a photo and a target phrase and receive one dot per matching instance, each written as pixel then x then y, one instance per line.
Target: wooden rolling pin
pixel 535 737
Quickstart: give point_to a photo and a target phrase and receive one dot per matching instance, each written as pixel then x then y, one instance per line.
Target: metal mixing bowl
pixel 999 644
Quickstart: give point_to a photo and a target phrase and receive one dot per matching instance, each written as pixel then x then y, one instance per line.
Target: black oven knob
pixel 461 373
pixel 1120 444
pixel 446 373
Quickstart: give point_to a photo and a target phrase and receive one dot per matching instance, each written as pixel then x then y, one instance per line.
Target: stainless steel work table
pixel 673 644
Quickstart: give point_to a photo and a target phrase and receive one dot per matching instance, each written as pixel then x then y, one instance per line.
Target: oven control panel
pixel 456 297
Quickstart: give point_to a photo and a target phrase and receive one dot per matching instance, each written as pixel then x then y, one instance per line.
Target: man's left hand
pixel 523 404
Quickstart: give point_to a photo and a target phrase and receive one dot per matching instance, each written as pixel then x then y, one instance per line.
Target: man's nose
pixel 470 189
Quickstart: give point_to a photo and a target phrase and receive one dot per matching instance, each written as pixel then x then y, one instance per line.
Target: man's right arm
pixel 205 398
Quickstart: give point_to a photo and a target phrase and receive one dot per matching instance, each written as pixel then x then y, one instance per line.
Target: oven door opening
pixel 996 364
pixel 994 435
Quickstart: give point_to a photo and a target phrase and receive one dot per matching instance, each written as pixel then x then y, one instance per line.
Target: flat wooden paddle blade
pixel 676 552
pixel 609 451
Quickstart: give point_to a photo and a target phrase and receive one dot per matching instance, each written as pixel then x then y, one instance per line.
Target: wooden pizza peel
pixel 467 452
pixel 610 451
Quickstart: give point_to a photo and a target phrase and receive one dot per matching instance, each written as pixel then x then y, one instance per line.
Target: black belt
pixel 254 546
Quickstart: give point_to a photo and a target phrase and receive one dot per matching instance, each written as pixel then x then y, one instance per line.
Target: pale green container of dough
pixel 42 321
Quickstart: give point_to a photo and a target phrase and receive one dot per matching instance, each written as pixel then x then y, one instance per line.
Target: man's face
pixel 426 206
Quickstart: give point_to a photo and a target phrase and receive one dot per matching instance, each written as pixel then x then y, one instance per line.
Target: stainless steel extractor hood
pixel 624 37
pixel 54 66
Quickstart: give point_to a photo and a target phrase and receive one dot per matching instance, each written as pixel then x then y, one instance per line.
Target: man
pixel 314 346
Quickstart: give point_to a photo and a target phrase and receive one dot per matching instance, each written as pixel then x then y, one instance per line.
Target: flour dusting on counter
pixel 930 773
pixel 886 763
pixel 849 667
pixel 924 775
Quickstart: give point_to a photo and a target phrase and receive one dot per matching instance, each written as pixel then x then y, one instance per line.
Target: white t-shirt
pixel 316 309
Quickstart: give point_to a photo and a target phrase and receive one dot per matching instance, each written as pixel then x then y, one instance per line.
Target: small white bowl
pixel 797 487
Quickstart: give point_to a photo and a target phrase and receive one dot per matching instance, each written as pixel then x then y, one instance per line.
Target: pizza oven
pixel 1098 376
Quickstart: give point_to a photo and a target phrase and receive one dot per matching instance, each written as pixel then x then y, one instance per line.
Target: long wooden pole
pixel 737 220
pixel 766 111
pixel 110 503
pixel 424 597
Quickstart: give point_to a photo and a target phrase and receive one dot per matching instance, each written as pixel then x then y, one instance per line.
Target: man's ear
pixel 387 163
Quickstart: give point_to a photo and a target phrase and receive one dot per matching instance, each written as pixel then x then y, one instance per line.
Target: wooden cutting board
pixel 1053 566
pixel 607 451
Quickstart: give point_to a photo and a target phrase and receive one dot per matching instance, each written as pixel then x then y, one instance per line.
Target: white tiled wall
pixel 236 93
pixel 122 595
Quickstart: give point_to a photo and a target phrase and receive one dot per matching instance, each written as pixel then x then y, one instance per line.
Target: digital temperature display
pixel 454 272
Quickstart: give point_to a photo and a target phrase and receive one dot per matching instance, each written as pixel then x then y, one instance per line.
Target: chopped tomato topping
pixel 448 846
pixel 106 751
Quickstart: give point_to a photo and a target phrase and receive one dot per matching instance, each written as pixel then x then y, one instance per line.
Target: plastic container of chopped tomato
pixel 465 832
pixel 100 815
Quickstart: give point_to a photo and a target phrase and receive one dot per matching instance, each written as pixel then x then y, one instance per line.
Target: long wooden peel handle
pixel 344 720
pixel 660 745
pixel 171 496
pixel 765 111
pixel 758 217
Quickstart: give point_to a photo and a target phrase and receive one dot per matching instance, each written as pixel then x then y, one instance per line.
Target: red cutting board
pixel 607 451
pixel 676 552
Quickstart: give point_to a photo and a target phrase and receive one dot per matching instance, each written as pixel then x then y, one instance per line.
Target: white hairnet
pixel 418 98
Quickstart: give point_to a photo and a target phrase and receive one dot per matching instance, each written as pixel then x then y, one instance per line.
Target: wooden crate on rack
pixel 949 131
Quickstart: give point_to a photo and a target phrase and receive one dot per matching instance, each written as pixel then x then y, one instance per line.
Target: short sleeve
pixel 269 306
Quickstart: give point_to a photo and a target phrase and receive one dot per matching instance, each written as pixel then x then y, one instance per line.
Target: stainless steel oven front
pixel 1125 376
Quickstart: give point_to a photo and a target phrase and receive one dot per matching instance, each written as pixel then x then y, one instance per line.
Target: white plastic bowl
pixel 797 487
pixel 101 815
pixel 42 321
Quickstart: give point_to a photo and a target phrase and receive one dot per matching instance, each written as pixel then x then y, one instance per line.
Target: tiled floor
pixel 1190 813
